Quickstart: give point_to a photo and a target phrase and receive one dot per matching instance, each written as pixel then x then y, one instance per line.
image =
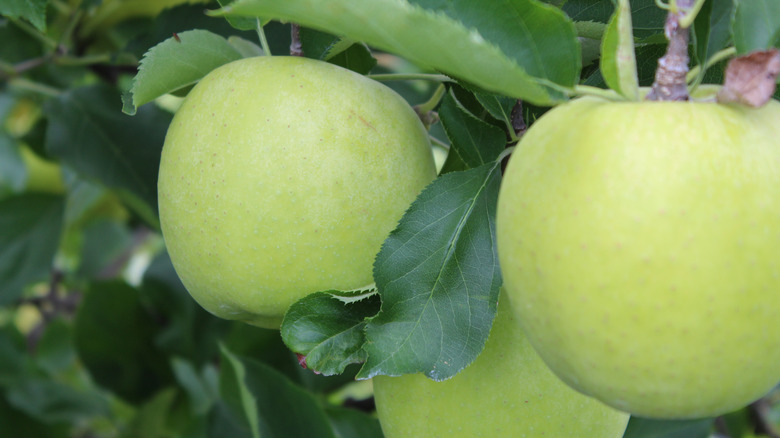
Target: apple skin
pixel 282 176
pixel 639 243
pixel 507 391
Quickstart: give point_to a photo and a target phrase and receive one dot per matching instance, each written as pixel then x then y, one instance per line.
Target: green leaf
pixel 53 402
pixel 245 48
pixel 647 428
pixel 618 61
pixel 13 173
pixel 349 423
pixel 178 20
pixel 13 360
pixel 512 47
pixel 438 276
pixel 153 418
pixel 201 391
pixel 114 339
pixel 328 330
pixel 233 388
pixel 356 57
pixel 711 29
pixel 104 241
pixel 189 331
pixel 756 25
pixel 33 11
pixel 55 352
pixel 647 18
pixel 473 142
pixel 240 23
pixel 16 423
pixel 269 402
pixel 87 131
pixel 177 63
pixel 500 107
pixel 30 230
pixel 340 51
pixel 25 46
pixel 224 422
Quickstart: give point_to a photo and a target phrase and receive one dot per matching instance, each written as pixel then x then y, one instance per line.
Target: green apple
pixel 507 392
pixel 282 176
pixel 639 242
pixel 42 175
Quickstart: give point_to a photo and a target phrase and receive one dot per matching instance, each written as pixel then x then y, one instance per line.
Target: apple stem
pixel 296 49
pixel 262 38
pixel 670 83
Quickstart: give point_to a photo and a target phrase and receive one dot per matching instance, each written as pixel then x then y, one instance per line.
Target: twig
pixel 296 49
pixel 518 124
pixel 670 83
pixel 410 76
pixel 263 39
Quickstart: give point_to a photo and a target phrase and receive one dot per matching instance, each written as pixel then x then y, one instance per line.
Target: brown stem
pixel 296 49
pixel 518 123
pixel 670 81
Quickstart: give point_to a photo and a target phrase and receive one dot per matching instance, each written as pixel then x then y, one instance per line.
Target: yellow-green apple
pixel 282 176
pixel 42 175
pixel 507 391
pixel 639 243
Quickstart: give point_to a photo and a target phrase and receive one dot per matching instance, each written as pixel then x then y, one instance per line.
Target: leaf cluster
pixel 97 335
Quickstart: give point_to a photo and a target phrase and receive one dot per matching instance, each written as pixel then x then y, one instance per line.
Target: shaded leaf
pixel 349 423
pixel 500 107
pixel 33 11
pixel 30 230
pixel 114 339
pixel 756 25
pixel 189 331
pixel 245 48
pixel 647 428
pixel 438 276
pixel 647 18
pixel 224 422
pixel 153 418
pixel 356 57
pixel 104 241
pixel 328 331
pixel 268 402
pixel 240 23
pixel 53 402
pixel 201 390
pixel 13 173
pixel 236 394
pixel 54 352
pixel 13 360
pixel 16 423
pixel 180 19
pixel 177 63
pixel 618 61
pixel 711 29
pixel 88 132
pixel 511 48
pixel 343 52
pixel 473 142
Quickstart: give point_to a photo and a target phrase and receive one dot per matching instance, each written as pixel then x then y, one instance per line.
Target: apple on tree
pixel 282 176
pixel 639 247
pixel 507 392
